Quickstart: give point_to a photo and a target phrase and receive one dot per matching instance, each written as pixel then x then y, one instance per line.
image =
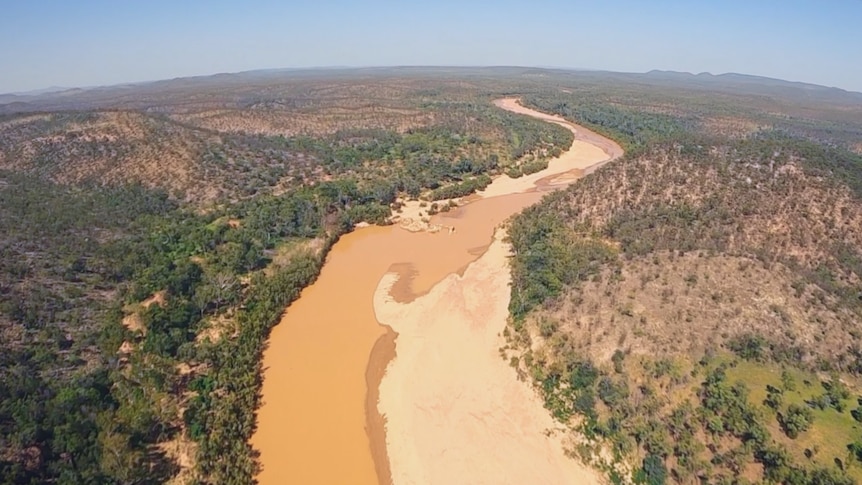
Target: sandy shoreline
pixel 326 362
pixel 610 147
pixel 454 411
pixel 588 152
pixel 382 353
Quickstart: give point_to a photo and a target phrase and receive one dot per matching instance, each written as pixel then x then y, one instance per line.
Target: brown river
pixel 318 422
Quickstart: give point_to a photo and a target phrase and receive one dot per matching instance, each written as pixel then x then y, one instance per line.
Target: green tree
pixel 855 449
pixel 787 380
pixel 654 470
pixel 797 419
pixel 774 398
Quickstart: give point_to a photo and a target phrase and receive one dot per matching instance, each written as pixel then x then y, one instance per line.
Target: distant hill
pixel 10 98
pixel 136 95
pixel 232 136
pixel 748 84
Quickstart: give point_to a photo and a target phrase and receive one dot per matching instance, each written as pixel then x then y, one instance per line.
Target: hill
pixel 748 84
pixel 153 233
pixel 205 145
pixel 693 308
pixel 147 253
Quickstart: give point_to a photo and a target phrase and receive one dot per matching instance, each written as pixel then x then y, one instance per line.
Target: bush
pixel 749 347
pixel 654 470
pixel 797 419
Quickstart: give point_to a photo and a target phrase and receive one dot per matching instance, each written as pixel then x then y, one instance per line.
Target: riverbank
pixel 454 410
pixel 319 422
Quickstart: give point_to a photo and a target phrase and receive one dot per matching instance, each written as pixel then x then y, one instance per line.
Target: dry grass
pixel 769 248
pixel 684 305
pixel 209 145
pixel 734 127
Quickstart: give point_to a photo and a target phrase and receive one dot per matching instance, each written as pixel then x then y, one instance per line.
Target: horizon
pixel 96 43
pixel 47 90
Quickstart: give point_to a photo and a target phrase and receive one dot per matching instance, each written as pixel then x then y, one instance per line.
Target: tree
pixel 797 419
pixel 583 375
pixel 787 380
pixel 612 393
pixel 219 289
pixel 774 398
pixel 836 393
pixel 855 449
pixel 618 358
pixel 776 462
pixel 654 470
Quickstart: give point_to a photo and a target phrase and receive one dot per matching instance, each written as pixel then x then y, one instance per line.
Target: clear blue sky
pixel 98 42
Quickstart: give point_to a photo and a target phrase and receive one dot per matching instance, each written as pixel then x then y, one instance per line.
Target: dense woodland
pixel 151 238
pixel 693 308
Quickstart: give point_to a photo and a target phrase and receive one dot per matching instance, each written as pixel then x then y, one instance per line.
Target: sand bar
pixel 456 413
pixel 454 410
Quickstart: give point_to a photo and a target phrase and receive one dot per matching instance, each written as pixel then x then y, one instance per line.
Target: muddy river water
pixel 318 422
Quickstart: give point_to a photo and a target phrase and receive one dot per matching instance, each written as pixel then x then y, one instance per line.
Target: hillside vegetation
pixel 693 309
pixel 205 153
pixel 151 235
pixel 146 255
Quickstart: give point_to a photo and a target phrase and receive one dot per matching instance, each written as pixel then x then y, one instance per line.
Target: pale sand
pixel 455 411
pixel 580 156
pixel 588 152
pixel 413 216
